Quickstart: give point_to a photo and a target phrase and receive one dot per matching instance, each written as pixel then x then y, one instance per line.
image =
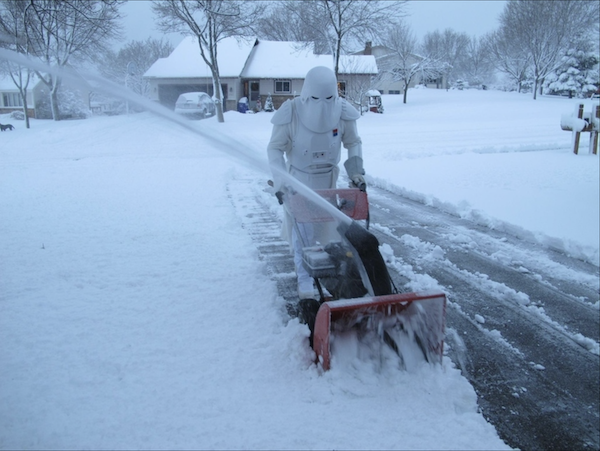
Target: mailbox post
pixel 584 122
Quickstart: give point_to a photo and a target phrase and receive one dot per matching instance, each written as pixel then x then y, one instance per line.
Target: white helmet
pixel 320 107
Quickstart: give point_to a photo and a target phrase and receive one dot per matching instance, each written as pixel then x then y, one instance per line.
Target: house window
pixel 12 99
pixel 342 88
pixel 431 81
pixel 393 91
pixel 283 86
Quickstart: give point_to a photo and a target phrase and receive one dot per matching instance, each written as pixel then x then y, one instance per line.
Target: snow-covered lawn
pixel 134 312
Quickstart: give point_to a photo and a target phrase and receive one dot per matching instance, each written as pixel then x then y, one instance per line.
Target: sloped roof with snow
pixel 7 84
pixel 358 64
pixel 266 59
pixel 286 59
pixel 283 59
pixel 185 61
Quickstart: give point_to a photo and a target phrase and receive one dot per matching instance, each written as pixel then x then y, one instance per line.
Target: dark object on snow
pixel 307 312
pixel 243 105
pixel 6 127
pixel 279 196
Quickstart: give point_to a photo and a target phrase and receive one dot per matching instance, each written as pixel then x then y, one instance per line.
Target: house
pixel 278 68
pixel 253 69
pixel 385 83
pixel 76 103
pixel 10 98
pixel 184 70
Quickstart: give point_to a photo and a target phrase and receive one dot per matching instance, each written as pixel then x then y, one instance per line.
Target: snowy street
pixel 510 303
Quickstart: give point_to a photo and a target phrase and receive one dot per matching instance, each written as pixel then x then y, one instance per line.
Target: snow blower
pixel 354 286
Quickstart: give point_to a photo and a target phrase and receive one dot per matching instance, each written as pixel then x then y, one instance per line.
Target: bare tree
pixel 210 21
pixel 354 70
pixel 284 23
pixel 140 55
pixel 545 29
pixel 448 47
pixel 508 55
pixel 62 31
pixel 339 25
pixel 477 66
pixel 12 27
pixel 403 64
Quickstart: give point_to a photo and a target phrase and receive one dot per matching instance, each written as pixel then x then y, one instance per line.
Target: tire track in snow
pixel 533 368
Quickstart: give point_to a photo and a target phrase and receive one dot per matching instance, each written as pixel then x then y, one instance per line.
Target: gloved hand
pixel 279 193
pixel 279 196
pixel 354 169
pixel 358 181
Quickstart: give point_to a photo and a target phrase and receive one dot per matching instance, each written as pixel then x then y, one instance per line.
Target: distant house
pixel 279 67
pixel 385 83
pixel 38 98
pixel 253 69
pixel 184 70
pixel 10 98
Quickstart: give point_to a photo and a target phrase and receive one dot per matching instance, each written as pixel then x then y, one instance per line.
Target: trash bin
pixel 243 105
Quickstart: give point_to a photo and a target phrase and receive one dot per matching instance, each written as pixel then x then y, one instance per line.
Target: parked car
pixel 195 105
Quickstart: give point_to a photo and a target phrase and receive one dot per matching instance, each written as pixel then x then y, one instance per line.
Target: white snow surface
pixel 135 312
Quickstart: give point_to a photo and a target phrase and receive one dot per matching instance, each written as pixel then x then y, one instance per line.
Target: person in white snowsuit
pixel 306 141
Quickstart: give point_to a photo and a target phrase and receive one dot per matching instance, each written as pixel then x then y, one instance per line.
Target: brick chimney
pixel 367 50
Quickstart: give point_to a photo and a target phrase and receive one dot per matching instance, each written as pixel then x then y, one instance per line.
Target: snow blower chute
pixel 355 288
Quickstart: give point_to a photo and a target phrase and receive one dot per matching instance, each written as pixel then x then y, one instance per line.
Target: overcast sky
pixel 474 17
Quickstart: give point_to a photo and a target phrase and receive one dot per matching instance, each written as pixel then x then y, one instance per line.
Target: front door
pixel 254 93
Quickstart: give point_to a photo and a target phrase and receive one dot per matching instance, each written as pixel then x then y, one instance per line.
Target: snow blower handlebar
pixel 355 170
pixel 278 194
